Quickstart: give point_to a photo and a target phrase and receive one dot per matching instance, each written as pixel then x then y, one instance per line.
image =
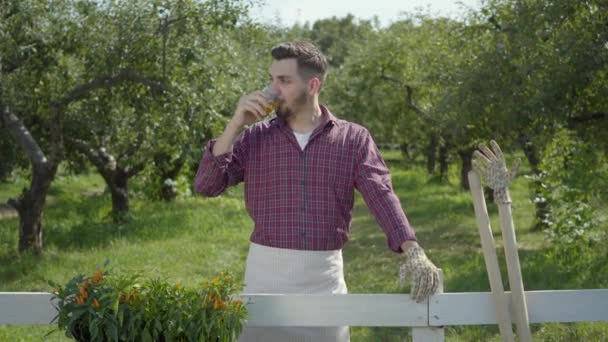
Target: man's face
pixel 293 89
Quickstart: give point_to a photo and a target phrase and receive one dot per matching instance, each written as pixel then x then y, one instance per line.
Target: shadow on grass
pixel 14 266
pixel 85 224
pixel 92 227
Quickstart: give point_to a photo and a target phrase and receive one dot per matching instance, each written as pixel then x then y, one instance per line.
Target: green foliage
pixel 149 185
pixel 127 307
pixel 336 36
pixel 574 174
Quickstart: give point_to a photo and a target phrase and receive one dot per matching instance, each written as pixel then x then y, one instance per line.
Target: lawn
pixel 190 240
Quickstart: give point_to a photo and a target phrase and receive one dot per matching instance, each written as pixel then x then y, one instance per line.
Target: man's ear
pixel 314 86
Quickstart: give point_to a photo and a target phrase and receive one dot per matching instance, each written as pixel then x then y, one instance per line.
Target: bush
pixel 106 307
pixel 573 177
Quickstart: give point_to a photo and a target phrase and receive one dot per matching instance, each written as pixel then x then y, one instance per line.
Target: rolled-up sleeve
pixel 373 180
pixel 216 173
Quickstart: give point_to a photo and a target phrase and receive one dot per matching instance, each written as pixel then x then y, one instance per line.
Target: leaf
pixel 146 337
pixel 112 331
pixel 76 314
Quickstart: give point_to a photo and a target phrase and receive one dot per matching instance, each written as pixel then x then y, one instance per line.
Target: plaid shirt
pixel 303 199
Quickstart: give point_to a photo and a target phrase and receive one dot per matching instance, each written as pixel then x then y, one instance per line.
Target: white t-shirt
pixel 302 139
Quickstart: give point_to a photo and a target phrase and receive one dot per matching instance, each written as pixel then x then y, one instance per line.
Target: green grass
pixel 191 240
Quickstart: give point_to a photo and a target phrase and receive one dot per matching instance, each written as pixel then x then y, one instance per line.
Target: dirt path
pixel 6 211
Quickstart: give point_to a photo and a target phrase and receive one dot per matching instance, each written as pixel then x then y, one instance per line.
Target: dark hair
pixel 311 61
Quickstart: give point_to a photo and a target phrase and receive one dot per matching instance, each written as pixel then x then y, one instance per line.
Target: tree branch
pixel 24 137
pixel 132 148
pixel 410 94
pixel 587 118
pixel 107 81
pixel 135 169
pixel 88 150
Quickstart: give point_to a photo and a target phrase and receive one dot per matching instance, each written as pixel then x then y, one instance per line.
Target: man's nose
pixel 276 88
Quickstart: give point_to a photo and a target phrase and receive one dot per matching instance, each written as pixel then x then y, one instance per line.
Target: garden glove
pixel 425 275
pixel 491 165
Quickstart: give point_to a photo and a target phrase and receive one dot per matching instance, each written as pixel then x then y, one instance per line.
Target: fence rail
pixel 388 310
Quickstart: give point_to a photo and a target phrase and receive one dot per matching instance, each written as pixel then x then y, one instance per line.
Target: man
pixel 300 171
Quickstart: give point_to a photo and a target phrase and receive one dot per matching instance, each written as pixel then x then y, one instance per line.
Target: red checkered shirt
pixel 303 199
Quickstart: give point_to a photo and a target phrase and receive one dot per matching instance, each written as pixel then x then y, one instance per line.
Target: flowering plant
pixel 107 307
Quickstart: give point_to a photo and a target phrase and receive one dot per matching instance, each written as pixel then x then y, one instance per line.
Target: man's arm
pixel 217 172
pixel 225 142
pixel 373 181
pixel 224 158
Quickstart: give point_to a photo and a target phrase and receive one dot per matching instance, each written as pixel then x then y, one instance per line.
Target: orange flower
pixel 97 276
pixel 86 284
pixel 132 296
pixel 95 303
pixel 83 293
pixel 218 303
pixel 79 300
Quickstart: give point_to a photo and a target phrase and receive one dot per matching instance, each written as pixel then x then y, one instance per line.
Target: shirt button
pixel 303 183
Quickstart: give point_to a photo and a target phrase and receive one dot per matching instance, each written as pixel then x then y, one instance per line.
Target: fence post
pixel 430 334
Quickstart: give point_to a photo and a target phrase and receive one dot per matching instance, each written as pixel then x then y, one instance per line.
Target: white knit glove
pixel 491 165
pixel 425 275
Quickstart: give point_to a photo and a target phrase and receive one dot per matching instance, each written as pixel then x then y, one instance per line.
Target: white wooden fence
pixel 388 310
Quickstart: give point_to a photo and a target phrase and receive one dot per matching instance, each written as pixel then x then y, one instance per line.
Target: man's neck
pixel 306 119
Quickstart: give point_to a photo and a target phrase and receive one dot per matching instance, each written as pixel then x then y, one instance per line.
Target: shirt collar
pixel 326 118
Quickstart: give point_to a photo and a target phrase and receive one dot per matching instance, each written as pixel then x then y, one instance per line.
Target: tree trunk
pixel 532 155
pixel 405 151
pixel 30 207
pixel 466 156
pixel 431 152
pixel 116 177
pixel 119 189
pixel 168 192
pixel 443 161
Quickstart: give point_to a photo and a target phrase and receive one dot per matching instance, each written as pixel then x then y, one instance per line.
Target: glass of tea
pixel 273 99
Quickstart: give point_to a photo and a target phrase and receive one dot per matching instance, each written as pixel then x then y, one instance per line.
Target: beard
pixel 286 111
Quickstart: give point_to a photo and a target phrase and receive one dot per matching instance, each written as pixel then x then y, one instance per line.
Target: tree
pixel 186 45
pixel 336 36
pixel 541 67
pixel 39 83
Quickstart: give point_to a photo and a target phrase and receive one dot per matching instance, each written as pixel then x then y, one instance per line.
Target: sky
pixel 300 11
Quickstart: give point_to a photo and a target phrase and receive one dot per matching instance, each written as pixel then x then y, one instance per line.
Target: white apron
pixel 283 271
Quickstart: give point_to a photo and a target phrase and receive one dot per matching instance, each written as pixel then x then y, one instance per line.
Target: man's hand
pixel 251 108
pixel 425 275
